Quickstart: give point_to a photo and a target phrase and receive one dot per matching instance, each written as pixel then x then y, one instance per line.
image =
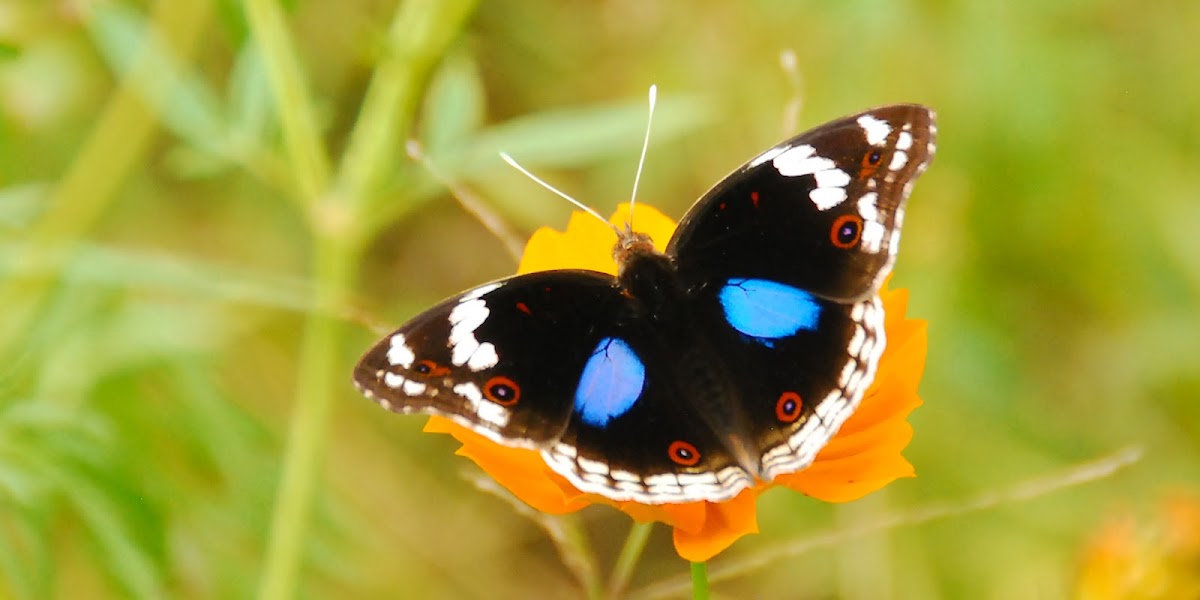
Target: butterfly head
pixel 630 243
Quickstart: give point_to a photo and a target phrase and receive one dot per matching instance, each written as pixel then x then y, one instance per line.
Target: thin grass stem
pixel 627 561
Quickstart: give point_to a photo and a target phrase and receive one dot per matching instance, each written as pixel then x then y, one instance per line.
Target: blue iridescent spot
pixel 611 382
pixel 768 310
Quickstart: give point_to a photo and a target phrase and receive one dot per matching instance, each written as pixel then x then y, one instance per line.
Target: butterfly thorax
pixel 648 277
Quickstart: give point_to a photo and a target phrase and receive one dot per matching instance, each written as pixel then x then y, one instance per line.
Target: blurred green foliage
pixel 187 272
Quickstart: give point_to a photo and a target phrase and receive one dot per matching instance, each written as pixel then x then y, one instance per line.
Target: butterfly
pixel 732 357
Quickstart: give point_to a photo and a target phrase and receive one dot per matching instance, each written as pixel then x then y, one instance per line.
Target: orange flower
pixel 863 457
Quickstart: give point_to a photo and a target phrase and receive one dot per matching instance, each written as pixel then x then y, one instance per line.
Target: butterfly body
pixel 732 357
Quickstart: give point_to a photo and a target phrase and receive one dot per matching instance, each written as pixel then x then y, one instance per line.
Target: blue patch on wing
pixel 768 310
pixel 611 382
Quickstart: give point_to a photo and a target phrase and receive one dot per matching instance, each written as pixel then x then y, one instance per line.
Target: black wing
pixel 783 261
pixel 795 387
pixel 563 362
pixel 820 212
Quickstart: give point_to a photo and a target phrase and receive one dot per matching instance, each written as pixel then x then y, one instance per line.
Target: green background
pixel 205 208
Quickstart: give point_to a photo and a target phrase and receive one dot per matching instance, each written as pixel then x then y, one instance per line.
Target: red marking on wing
pixel 868 166
pixel 788 408
pixel 835 232
pixel 684 453
pixel 429 368
pixel 502 390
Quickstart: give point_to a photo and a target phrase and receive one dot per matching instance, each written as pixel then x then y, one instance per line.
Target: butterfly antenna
pixel 791 112
pixel 508 159
pixel 470 202
pixel 642 161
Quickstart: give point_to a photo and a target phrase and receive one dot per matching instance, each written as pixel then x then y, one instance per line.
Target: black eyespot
pixel 684 453
pixel 874 157
pixel 502 391
pixel 846 231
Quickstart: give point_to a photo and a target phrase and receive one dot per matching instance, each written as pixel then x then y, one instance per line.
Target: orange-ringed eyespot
pixel 684 453
pixel 846 231
pixel 502 391
pixel 788 407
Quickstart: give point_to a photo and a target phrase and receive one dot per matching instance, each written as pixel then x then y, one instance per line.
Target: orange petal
pixel 888 400
pixel 895 302
pixel 587 244
pixel 723 524
pixel 688 516
pixel 850 479
pixel 891 432
pixel 437 424
pixel 521 471
pixel 905 354
pixel 865 460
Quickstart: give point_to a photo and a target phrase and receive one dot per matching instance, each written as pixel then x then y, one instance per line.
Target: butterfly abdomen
pixel 705 388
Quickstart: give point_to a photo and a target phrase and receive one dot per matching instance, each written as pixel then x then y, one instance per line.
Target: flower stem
pixel 419 34
pixel 576 552
pixel 565 531
pixel 302 142
pixel 631 553
pixel 699 581
pixel 332 275
pixel 317 385
pixel 334 204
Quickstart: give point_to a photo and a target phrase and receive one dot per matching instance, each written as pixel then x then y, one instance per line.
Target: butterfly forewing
pixel 502 359
pixel 821 212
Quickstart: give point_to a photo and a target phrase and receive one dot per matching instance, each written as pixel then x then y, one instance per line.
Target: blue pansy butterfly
pixel 732 357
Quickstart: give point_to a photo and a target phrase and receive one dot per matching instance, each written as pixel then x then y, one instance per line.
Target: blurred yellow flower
pixel 863 457
pixel 1129 559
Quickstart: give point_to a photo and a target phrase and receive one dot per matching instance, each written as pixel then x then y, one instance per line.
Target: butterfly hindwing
pixel 799 377
pixel 821 212
pixel 635 433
